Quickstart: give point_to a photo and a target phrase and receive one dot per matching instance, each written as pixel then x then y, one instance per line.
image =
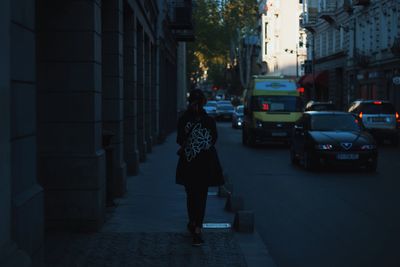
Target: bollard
pixel 244 221
pixel 234 203
pixel 225 190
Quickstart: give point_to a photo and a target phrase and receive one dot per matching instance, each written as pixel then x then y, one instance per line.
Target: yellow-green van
pixel 271 107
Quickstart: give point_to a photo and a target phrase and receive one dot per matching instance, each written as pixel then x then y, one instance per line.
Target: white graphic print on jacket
pixel 199 139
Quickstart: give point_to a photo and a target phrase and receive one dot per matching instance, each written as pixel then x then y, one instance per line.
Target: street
pixel 331 217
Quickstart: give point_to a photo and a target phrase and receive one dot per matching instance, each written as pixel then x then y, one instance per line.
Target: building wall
pixel 280 34
pixel 356 49
pixel 85 90
pixel 72 159
pixel 131 151
pixel 27 200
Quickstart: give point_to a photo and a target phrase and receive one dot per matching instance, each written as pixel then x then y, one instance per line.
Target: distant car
pixel 237 117
pixel 224 111
pixel 211 108
pixel 224 102
pixel 379 117
pixel 319 106
pixel 322 137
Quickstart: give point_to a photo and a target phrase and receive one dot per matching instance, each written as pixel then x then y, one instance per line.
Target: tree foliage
pixel 219 27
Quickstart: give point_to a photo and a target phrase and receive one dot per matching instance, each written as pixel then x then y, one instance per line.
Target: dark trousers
pixel 196 198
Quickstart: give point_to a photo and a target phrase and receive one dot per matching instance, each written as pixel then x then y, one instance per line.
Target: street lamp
pixel 291 51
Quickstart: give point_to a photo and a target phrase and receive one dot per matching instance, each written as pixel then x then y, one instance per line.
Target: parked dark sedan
pixel 324 138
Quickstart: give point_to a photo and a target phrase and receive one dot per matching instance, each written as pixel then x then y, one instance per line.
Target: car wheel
pixel 395 140
pixel 309 162
pixel 251 140
pixel 372 166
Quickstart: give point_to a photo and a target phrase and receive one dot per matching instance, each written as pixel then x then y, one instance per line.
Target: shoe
pixel 191 227
pixel 197 240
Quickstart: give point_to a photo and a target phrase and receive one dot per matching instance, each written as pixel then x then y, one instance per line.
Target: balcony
pixel 327 12
pixel 309 20
pixel 361 2
pixel 181 21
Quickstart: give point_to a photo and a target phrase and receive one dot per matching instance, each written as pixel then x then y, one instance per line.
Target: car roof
pixel 372 101
pixel 321 103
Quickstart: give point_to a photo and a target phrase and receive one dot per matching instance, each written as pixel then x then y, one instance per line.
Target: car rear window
pixel 332 122
pixel 321 107
pixel 383 108
pixel 225 107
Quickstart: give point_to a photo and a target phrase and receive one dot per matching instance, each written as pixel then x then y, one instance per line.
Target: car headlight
pixel 259 124
pixel 368 147
pixel 324 146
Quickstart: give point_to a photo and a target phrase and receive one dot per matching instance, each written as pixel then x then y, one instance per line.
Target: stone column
pixel 27 195
pixel 112 67
pixel 147 94
pixel 154 95
pixel 71 158
pixel 130 93
pixel 140 93
pixel 9 254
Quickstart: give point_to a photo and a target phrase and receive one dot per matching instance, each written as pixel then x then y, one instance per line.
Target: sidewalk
pixel 148 228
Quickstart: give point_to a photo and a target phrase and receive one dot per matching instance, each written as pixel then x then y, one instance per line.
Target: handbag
pixel 181 150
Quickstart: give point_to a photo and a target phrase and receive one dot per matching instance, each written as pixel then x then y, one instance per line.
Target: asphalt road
pixel 332 217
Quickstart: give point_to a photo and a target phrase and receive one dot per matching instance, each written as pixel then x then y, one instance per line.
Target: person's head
pixel 196 100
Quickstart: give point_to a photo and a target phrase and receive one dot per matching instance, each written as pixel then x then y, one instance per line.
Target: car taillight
pixel 265 107
pixel 397 117
pixel 360 115
pixel 377 102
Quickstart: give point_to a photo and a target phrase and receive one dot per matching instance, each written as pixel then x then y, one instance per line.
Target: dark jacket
pixel 198 163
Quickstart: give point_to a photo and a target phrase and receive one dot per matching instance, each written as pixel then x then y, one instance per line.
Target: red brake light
pixel 265 107
pixel 397 115
pixel 377 102
pixel 300 90
pixel 360 115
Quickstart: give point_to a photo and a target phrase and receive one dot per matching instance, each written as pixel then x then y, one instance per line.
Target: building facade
pixel 87 88
pixel 354 46
pixel 282 40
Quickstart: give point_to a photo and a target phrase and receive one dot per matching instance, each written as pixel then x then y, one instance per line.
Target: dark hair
pixel 196 96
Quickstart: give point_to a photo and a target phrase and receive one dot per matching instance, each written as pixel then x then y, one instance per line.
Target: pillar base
pixel 11 256
pixel 28 217
pixel 120 180
pixel 142 152
pixel 132 163
pixel 149 144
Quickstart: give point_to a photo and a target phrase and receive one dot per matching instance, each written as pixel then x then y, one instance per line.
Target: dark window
pixel 379 108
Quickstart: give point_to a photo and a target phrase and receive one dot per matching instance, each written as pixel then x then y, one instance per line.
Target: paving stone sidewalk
pixel 148 227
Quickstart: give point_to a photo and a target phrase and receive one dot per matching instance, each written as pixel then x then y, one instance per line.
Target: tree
pixel 220 27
